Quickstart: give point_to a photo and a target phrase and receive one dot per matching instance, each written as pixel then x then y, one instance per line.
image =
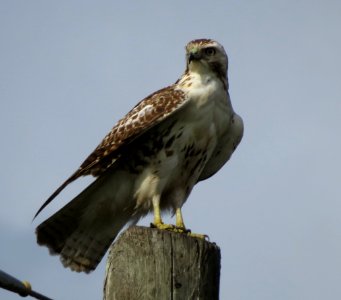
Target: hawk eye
pixel 210 51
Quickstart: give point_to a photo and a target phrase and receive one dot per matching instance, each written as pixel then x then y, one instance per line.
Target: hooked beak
pixel 193 55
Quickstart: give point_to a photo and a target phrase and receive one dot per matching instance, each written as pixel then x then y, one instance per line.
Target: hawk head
pixel 205 55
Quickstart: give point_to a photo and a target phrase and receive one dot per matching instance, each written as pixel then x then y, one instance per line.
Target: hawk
pixel 149 161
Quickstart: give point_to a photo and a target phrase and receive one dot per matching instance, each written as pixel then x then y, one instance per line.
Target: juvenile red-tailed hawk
pixel 150 160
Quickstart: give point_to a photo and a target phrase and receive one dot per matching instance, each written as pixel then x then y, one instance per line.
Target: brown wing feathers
pixel 142 117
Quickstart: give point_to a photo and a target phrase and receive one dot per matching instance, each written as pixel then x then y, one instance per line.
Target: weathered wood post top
pixel 146 263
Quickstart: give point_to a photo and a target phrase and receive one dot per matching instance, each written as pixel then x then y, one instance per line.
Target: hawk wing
pixel 146 114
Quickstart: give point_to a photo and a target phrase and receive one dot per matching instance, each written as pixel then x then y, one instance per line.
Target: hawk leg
pixel 158 220
pixel 180 225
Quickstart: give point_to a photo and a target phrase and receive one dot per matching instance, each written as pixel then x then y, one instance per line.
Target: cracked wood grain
pixel 147 263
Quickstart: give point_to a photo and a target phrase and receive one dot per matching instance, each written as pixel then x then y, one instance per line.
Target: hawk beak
pixel 193 55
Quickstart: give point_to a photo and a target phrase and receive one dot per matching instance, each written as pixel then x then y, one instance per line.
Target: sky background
pixel 70 69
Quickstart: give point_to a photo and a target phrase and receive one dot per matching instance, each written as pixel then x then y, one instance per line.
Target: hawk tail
pixel 82 231
pixel 81 248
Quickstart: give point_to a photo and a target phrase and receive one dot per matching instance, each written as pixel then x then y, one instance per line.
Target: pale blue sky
pixel 70 69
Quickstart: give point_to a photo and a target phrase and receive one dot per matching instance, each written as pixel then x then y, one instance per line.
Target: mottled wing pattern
pixel 146 114
pixel 142 117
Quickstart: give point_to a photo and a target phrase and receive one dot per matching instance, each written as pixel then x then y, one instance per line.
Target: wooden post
pixel 146 263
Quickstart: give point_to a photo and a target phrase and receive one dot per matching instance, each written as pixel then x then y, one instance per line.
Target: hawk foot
pixel 178 229
pixel 169 227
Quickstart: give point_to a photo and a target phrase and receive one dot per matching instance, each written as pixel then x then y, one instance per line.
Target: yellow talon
pixel 162 226
pixel 179 227
pixel 168 227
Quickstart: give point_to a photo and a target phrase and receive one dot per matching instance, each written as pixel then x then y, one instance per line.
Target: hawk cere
pixel 149 161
